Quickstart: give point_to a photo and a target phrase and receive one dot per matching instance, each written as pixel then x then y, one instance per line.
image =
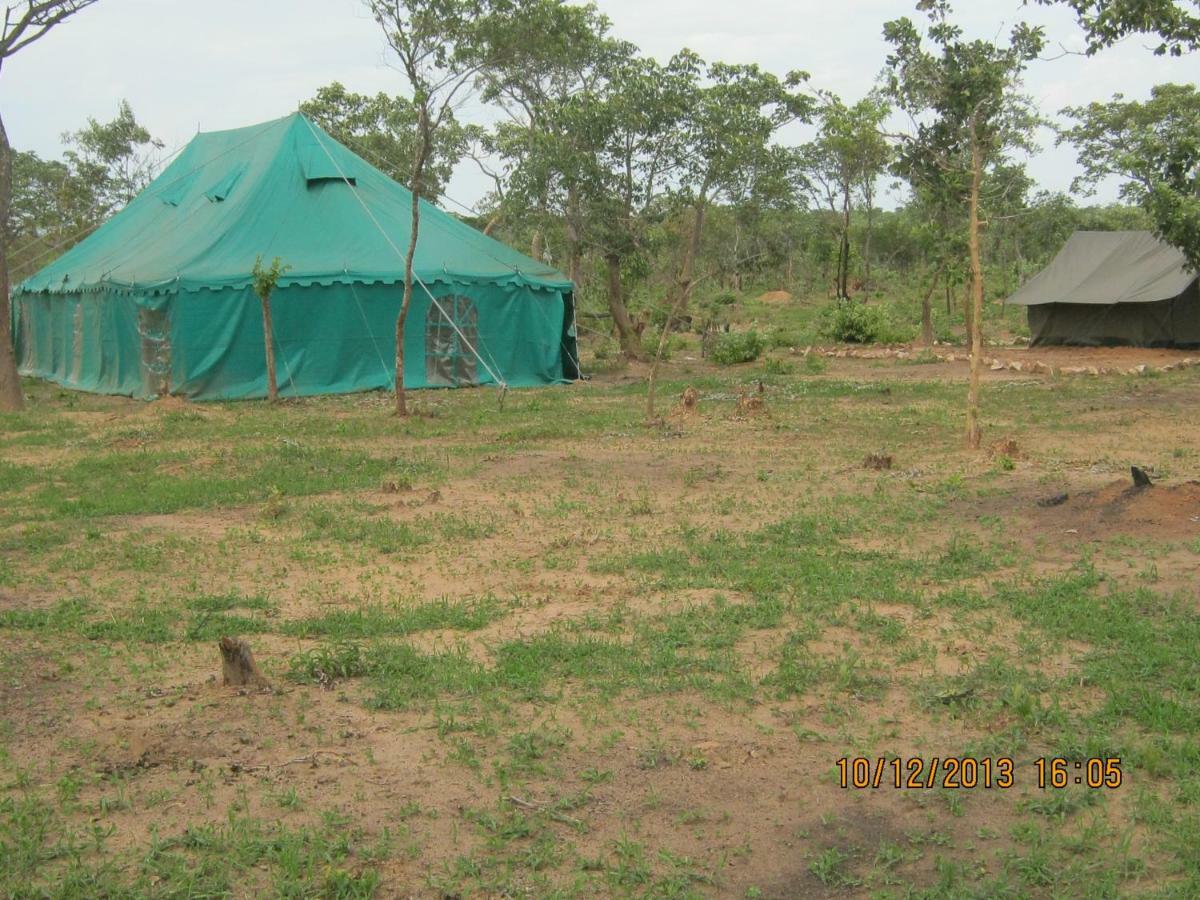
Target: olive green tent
pixel 159 299
pixel 1114 287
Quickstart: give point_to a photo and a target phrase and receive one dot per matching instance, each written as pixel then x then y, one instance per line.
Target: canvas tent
pixel 1114 287
pixel 159 299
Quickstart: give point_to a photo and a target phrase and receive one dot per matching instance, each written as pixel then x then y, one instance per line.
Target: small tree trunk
pixel 10 382
pixel 238 668
pixel 843 275
pixel 927 309
pixel 652 380
pixel 691 250
pixel 269 343
pixel 974 431
pixel 535 245
pixel 870 200
pixel 574 240
pixel 626 333
pixel 418 172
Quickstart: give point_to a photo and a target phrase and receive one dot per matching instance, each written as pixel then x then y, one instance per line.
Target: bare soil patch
pixel 1160 512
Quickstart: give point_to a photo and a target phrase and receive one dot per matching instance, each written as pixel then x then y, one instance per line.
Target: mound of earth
pixel 1160 511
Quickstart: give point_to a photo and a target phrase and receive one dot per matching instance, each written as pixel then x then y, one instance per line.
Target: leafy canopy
pixel 1154 146
pixel 383 128
pixel 1175 22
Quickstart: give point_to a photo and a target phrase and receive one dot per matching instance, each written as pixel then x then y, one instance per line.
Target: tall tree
pixel 963 98
pixel 112 161
pixel 56 203
pixel 732 111
pixel 844 162
pixel 639 122
pixel 1176 23
pixel 549 88
pixel 384 129
pixel 24 23
pixel 1154 147
pixel 441 46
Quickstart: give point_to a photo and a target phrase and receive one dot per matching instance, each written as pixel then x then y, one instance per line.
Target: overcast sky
pixel 212 64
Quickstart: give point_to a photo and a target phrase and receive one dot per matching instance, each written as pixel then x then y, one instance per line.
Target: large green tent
pixel 1114 287
pixel 159 299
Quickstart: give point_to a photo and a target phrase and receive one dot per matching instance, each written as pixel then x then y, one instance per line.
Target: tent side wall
pixel 336 338
pixel 106 342
pixel 1166 323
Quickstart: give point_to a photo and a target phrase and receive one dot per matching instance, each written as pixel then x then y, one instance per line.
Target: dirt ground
pixel 632 790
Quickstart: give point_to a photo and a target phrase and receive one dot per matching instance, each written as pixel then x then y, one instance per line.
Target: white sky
pixel 212 64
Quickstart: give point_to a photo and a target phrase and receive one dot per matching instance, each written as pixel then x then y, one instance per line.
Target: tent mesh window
pixel 26 356
pixel 154 328
pixel 449 360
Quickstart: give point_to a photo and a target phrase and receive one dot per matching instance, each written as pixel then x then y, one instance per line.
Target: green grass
pixel 589 629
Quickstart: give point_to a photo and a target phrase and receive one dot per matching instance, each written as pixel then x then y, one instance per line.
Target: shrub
pixel 852 322
pixel 725 298
pixel 785 337
pixel 775 366
pixel 738 347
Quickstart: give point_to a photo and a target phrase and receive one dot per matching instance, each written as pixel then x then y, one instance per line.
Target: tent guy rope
pixel 354 189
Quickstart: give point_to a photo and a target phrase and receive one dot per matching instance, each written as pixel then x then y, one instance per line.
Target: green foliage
pixel 56 203
pixel 736 347
pixel 1110 21
pixel 265 280
pixel 383 128
pixel 846 159
pixel 1153 145
pixel 852 322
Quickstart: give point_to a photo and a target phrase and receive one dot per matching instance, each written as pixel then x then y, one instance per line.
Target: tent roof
pixel 277 189
pixel 1107 267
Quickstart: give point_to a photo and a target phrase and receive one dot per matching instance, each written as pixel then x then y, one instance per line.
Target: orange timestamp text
pixel 969 772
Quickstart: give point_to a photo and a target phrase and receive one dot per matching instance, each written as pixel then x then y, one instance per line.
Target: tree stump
pixel 238 668
pixel 878 461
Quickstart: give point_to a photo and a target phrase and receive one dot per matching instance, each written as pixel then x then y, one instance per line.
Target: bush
pixel 785 337
pixel 725 298
pixel 674 344
pixel 852 322
pixel 775 366
pixel 738 347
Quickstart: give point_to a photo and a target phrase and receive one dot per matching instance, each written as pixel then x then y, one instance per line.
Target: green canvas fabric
pixel 159 298
pixel 1108 288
